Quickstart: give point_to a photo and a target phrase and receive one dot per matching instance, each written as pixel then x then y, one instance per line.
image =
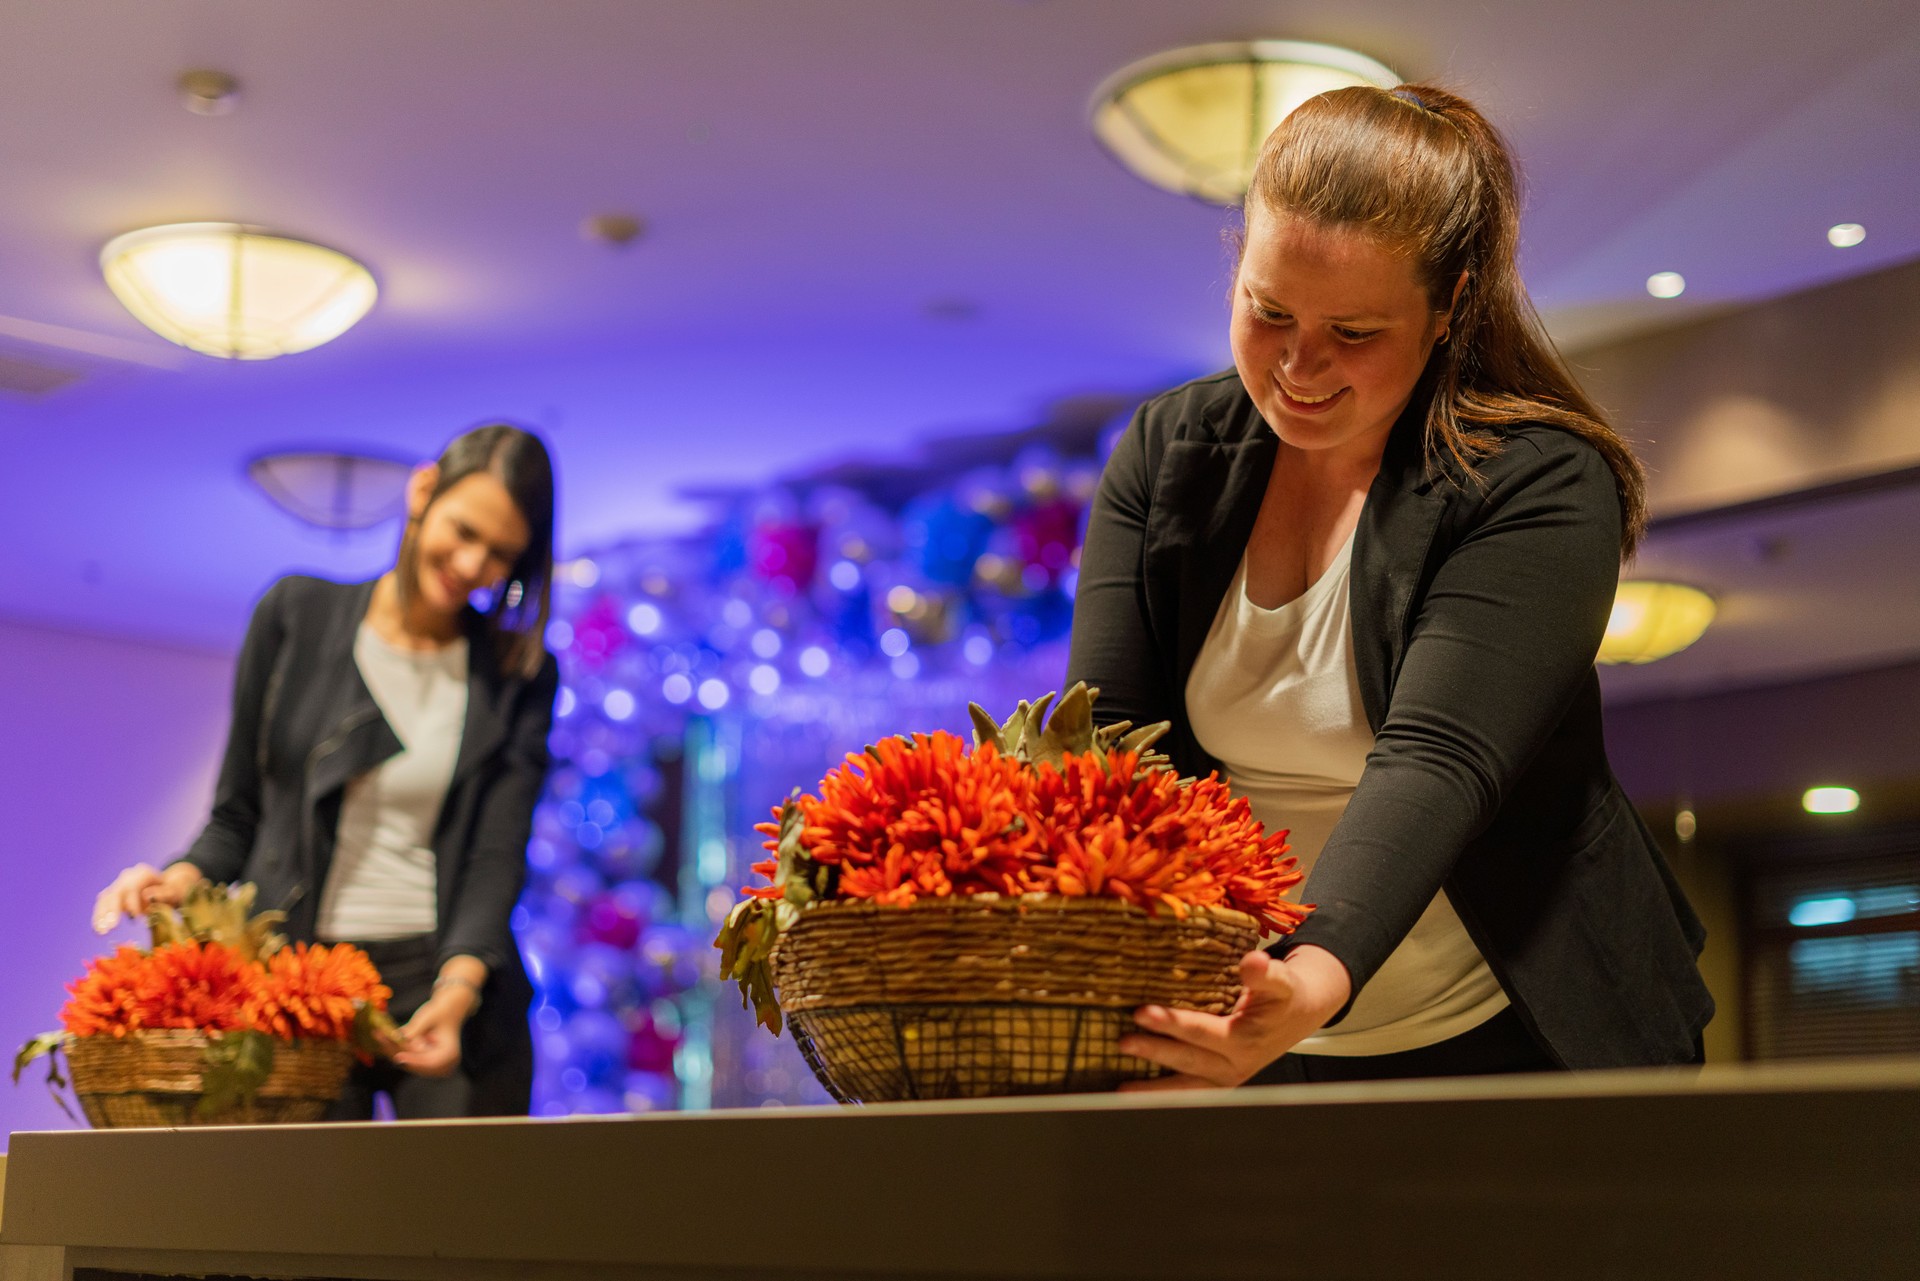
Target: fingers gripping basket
pixel 980 996
pixel 158 1078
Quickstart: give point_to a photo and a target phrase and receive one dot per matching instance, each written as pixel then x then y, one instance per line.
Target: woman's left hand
pixel 1281 1004
pixel 432 1035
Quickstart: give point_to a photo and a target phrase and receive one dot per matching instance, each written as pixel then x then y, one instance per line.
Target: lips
pixel 1310 405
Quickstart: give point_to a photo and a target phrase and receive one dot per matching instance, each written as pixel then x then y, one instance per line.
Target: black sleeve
pixel 1113 648
pixel 225 843
pixel 1503 641
pixel 496 868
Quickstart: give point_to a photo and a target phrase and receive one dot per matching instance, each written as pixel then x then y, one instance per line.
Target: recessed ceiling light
pixel 616 229
pixel 209 93
pixel 1666 284
pixel 1830 800
pixel 1846 235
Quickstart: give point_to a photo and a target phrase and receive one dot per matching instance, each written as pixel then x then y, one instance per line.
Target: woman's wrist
pixel 462 980
pixel 1320 978
pixel 460 990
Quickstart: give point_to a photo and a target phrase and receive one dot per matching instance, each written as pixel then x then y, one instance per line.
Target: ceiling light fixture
pixel 1666 284
pixel 1846 235
pixel 332 488
pixel 1651 620
pixel 1192 120
pixel 1830 800
pixel 208 93
pixel 236 292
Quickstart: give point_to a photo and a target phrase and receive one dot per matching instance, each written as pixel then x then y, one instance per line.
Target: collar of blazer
pixel 360 738
pixel 1208 494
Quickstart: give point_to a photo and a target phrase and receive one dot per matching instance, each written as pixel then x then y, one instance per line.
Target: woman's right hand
pixel 138 888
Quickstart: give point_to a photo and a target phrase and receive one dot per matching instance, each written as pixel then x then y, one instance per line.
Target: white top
pixel 1274 696
pixel 381 884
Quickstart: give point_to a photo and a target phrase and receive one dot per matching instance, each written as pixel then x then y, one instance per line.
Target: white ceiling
pixel 814 175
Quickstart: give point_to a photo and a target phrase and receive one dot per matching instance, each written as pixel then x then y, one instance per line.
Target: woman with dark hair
pixel 389 740
pixel 1364 574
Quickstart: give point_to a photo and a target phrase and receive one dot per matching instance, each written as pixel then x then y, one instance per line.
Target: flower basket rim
pixel 189 1035
pixel 1021 903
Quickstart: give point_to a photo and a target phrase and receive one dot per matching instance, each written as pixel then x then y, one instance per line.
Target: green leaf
pixel 49 1045
pixel 45 1043
pixel 238 1064
pixel 986 729
pixel 375 1034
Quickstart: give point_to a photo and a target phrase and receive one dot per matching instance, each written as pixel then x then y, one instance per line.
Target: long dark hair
pixel 1424 170
pixel 516 618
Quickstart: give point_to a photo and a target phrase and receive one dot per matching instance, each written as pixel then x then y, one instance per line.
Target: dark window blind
pixel 1833 947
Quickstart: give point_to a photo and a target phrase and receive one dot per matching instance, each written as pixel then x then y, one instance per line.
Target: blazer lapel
pixel 1390 551
pixel 357 737
pixel 1208 497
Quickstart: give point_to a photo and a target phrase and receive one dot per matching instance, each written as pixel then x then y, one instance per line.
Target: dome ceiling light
pixel 234 291
pixel 1652 620
pixel 334 489
pixel 1191 120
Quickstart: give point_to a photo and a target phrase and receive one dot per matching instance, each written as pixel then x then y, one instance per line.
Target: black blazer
pixel 1477 611
pixel 304 724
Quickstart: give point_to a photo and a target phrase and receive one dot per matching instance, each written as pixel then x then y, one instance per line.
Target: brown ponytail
pixel 1422 168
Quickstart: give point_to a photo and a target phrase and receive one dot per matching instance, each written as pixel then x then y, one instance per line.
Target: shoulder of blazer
pixel 305 600
pixel 1212 410
pixel 1531 453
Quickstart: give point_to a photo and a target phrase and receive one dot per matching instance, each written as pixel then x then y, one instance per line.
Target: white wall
pixel 108 751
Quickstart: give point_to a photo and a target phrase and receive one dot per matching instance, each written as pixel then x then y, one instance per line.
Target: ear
pixel 420 489
pixel 1453 303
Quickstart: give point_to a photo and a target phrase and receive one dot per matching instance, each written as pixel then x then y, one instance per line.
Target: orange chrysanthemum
pixel 929 817
pixel 934 818
pixel 314 991
pixel 177 985
pixel 1148 839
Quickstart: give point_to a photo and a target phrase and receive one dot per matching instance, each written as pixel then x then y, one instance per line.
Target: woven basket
pixel 975 997
pixel 154 1078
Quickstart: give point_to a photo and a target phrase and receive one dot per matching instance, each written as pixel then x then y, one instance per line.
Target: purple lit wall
pixel 107 759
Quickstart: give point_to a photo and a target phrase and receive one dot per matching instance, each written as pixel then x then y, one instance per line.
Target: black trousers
pixel 497 1088
pixel 1501 1044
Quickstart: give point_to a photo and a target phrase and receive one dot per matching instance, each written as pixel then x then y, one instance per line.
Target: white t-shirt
pixel 1274 696
pixel 382 882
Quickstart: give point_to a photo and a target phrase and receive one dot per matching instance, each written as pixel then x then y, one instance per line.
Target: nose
pixel 1305 358
pixel 470 562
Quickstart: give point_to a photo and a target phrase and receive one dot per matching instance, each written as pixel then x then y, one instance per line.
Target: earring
pixel 1442 339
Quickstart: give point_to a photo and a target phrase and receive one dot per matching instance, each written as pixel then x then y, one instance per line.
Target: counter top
pixel 1747 1171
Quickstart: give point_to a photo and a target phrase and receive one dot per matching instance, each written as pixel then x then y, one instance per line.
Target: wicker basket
pixel 974 997
pixel 154 1078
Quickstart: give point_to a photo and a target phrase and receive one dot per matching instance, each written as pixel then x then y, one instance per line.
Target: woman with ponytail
pixel 1364 574
pixel 388 742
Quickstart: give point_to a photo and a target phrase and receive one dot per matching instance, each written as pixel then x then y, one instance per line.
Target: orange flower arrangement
pixel 187 984
pixel 931 817
pixel 1033 806
pixel 300 992
pixel 315 991
pixel 218 968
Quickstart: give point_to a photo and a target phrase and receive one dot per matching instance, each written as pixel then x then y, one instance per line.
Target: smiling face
pixel 468 537
pixel 1331 331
